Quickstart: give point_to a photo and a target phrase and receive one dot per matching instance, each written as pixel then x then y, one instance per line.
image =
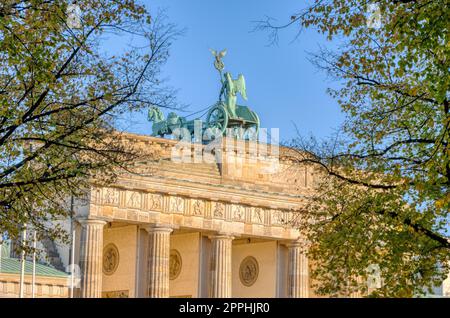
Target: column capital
pixel 91 221
pixel 158 228
pixel 301 242
pixel 292 244
pixel 223 236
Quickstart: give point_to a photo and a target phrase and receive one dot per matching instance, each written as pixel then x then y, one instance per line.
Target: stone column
pixel 91 257
pixel 220 266
pixel 298 272
pixel 446 287
pixel 158 261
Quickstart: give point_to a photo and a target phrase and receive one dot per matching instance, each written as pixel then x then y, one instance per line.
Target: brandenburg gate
pixel 211 213
pixel 180 228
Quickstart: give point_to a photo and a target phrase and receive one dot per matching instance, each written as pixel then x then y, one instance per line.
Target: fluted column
pixel 298 272
pixel 220 266
pixel 91 257
pixel 158 261
pixel 446 287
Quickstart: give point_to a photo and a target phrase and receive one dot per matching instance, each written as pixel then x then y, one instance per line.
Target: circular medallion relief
pixel 110 259
pixel 248 271
pixel 175 264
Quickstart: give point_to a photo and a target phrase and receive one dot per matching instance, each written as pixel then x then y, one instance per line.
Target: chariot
pixel 243 121
pixel 224 118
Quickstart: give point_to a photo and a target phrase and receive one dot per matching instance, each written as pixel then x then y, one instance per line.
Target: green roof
pixel 12 266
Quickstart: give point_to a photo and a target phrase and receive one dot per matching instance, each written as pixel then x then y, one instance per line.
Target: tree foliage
pixel 61 90
pixel 386 197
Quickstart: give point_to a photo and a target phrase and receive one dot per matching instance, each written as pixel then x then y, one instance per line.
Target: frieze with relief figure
pixel 176 204
pixel 197 207
pixel 258 215
pixel 155 201
pixel 134 199
pixel 238 212
pixel 110 196
pixel 218 210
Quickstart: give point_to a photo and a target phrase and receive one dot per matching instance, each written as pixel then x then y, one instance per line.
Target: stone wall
pixel 46 287
pixel 121 283
pixel 265 254
pixel 207 211
pixel 186 283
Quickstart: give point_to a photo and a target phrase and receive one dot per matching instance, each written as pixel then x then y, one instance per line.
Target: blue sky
pixel 283 87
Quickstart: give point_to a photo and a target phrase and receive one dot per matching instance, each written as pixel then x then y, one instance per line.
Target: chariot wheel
pixel 217 119
pixel 257 123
